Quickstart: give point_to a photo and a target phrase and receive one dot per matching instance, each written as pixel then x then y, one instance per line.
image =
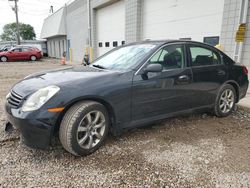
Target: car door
pixel 26 53
pixel 16 54
pixel 209 73
pixel 158 94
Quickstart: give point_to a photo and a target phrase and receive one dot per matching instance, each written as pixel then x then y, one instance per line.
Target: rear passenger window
pixel 203 56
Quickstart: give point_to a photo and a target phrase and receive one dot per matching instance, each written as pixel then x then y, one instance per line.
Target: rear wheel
pixel 225 101
pixel 84 128
pixel 3 59
pixel 33 58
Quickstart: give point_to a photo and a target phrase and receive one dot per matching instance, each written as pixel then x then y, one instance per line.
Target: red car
pixel 21 53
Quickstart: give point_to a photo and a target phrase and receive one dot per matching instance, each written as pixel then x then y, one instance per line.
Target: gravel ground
pixel 192 151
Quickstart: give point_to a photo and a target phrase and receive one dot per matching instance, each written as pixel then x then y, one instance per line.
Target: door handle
pixel 183 78
pixel 221 72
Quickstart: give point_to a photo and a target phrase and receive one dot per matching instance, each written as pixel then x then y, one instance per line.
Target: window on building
pixel 100 44
pixel 106 44
pixel 170 57
pixel 115 44
pixel 123 42
pixel 202 56
pixel 213 41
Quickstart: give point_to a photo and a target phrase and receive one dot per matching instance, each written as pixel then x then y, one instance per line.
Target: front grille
pixel 15 99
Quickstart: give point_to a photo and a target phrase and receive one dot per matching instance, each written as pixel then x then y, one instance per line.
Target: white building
pixel 105 24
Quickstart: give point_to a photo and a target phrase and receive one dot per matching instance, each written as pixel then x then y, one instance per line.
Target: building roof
pixel 54 25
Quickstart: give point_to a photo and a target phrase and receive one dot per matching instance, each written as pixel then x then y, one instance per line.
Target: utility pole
pixel 15 9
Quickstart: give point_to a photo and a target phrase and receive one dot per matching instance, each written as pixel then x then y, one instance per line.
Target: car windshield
pixel 125 58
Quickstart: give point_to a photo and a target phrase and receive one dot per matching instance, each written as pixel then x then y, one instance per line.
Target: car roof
pixel 167 41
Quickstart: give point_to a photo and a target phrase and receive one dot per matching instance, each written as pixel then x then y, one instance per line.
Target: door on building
pixel 110 27
pixel 172 19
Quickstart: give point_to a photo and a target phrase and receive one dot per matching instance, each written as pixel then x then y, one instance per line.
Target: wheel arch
pixel 236 87
pixel 102 101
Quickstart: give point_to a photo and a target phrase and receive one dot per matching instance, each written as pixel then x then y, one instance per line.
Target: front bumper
pixel 35 132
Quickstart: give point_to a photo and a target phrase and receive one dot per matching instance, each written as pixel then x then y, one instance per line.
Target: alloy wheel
pixel 226 101
pixel 91 129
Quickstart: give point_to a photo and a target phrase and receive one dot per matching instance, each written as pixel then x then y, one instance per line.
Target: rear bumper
pixel 35 133
pixel 243 90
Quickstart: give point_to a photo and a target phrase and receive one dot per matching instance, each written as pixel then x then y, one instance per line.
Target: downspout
pixel 89 32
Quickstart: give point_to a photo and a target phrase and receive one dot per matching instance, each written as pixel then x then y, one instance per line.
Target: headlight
pixel 39 98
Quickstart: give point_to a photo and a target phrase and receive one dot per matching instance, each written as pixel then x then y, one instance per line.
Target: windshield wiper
pixel 99 66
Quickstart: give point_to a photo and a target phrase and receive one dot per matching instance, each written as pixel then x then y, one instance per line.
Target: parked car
pixel 6 48
pixel 130 86
pixel 21 53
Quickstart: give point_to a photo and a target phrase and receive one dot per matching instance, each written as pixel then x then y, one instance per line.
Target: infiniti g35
pixel 130 86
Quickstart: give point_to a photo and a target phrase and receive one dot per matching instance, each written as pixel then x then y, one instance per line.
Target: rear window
pixel 203 56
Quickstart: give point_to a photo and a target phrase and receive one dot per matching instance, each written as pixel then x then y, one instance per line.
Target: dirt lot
pixel 193 151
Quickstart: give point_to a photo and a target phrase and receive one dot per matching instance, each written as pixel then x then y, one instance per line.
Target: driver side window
pixel 17 50
pixel 170 57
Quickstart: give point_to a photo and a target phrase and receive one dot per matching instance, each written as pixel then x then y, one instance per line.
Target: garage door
pixel 110 27
pixel 181 19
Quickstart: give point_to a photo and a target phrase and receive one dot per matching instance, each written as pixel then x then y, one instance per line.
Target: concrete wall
pixel 77 28
pixel 230 26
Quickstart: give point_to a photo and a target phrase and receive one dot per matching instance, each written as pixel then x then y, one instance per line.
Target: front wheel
pixel 225 101
pixel 3 59
pixel 84 128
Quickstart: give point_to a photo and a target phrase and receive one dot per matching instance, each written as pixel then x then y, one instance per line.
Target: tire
pixel 33 58
pixel 225 101
pixel 4 59
pixel 81 132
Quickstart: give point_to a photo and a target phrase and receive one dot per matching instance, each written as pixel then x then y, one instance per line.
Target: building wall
pixel 77 28
pixel 178 14
pixel 230 24
pixel 133 26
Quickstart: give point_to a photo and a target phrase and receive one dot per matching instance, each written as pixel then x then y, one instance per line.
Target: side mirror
pixel 153 68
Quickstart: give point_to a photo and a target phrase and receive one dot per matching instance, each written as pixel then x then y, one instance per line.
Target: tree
pixel 10 32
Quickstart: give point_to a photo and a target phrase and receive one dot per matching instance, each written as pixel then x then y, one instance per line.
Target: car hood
pixel 65 77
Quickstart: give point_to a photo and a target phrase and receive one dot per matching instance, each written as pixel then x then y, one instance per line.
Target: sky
pixel 31 12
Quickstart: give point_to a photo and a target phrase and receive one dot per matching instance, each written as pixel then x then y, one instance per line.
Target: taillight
pixel 245 71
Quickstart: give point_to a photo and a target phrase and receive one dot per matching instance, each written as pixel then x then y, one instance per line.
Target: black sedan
pixel 128 87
